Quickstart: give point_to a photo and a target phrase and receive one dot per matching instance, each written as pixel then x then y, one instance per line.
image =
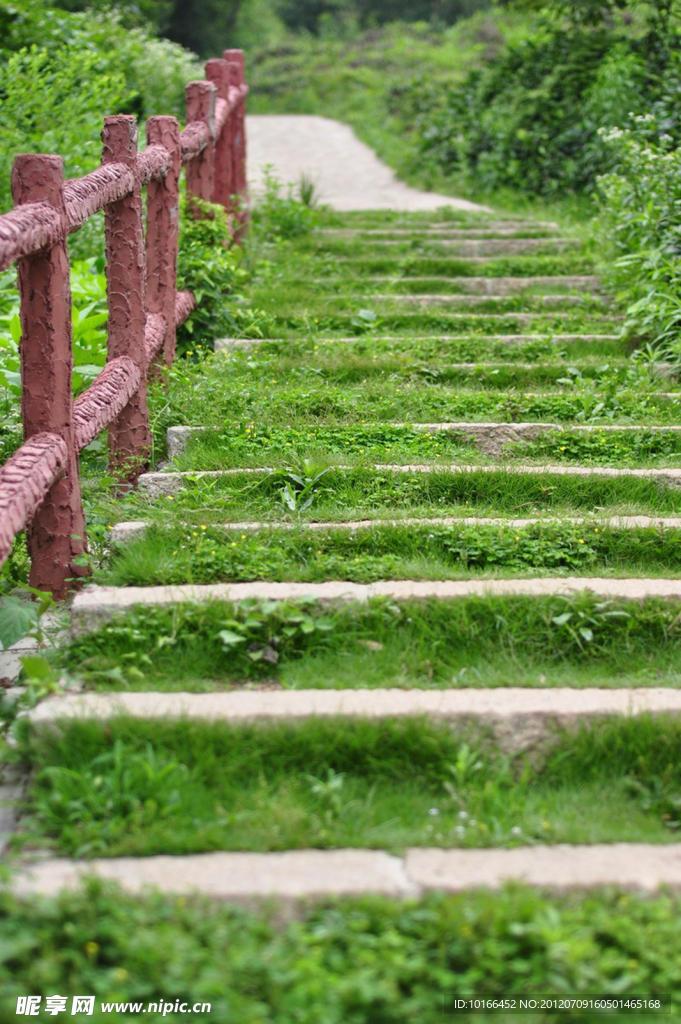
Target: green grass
pixel 361 493
pixel 406 401
pixel 131 788
pixel 253 445
pixel 483 642
pixel 360 960
pixel 170 555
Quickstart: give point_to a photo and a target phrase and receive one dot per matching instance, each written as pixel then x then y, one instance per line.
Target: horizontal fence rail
pixel 39 484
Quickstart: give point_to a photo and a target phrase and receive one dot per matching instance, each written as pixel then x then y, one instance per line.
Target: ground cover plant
pixel 337 960
pixel 210 555
pixel 361 492
pixel 578 641
pixel 139 788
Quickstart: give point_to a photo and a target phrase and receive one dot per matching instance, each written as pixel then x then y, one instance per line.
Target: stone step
pixel 484 285
pixel 160 484
pixel 448 230
pixel 122 533
pixel 473 301
pixel 520 718
pixel 227 344
pixel 490 438
pixel 472 248
pixel 94 604
pixel 301 875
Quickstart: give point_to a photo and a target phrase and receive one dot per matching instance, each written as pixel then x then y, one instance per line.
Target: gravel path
pixel 348 174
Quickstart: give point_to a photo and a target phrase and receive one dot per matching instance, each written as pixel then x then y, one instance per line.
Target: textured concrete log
pixel 25 480
pixel 26 230
pixel 200 99
pixel 185 303
pixel 154 334
pixel 56 534
pixel 219 72
pixel 105 399
pixel 193 140
pixel 154 162
pixel 162 229
pixel 85 196
pixel 129 434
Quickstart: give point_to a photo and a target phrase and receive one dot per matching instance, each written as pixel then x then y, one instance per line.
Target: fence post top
pixel 38 177
pixel 235 57
pixel 119 138
pixel 200 98
pixel 218 71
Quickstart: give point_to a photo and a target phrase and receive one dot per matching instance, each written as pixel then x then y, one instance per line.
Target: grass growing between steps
pixel 359 960
pixel 210 555
pixel 250 444
pixel 363 493
pixel 352 364
pixel 492 641
pixel 134 788
pixel 306 398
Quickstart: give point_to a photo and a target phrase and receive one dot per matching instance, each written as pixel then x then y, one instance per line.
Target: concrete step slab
pixel 95 605
pixel 490 438
pixel 123 533
pixel 473 301
pixel 483 285
pixel 227 344
pixel 519 718
pixel 154 485
pixel 448 230
pixel 468 248
pixel 302 875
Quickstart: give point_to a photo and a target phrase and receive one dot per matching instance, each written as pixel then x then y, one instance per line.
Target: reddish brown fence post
pixel 237 57
pixel 56 535
pixel 129 434
pixel 218 72
pixel 163 218
pixel 200 98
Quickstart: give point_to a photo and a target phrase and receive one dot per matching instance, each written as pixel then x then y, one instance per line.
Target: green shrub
pixel 641 218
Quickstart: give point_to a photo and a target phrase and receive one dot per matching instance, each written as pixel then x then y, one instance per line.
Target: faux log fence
pixel 39 485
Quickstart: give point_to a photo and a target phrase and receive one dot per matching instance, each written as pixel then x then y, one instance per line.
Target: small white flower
pixel 462 815
pixel 459 831
pixel 515 831
pixel 433 812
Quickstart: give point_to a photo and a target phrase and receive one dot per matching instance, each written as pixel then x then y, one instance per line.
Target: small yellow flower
pixel 243 536
pixel 91 949
pixel 170 497
pixel 581 541
pixel 233 543
pixel 203 527
pixel 120 974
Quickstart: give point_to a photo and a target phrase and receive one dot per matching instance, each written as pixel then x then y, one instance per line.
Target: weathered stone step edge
pixel 431 299
pixel 315 874
pixel 521 713
pixel 484 247
pixel 484 285
pixel 452 230
pixel 96 604
pixel 123 532
pixel 416 257
pixel 156 484
pixel 490 438
pixel 223 344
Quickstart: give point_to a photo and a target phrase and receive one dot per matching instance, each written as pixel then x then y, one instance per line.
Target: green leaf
pixel 231 639
pixel 17 619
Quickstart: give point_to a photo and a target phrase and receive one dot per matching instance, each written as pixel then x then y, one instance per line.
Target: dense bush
pixel 531 120
pixel 641 218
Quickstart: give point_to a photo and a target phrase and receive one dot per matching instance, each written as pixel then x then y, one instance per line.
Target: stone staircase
pixel 377 327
